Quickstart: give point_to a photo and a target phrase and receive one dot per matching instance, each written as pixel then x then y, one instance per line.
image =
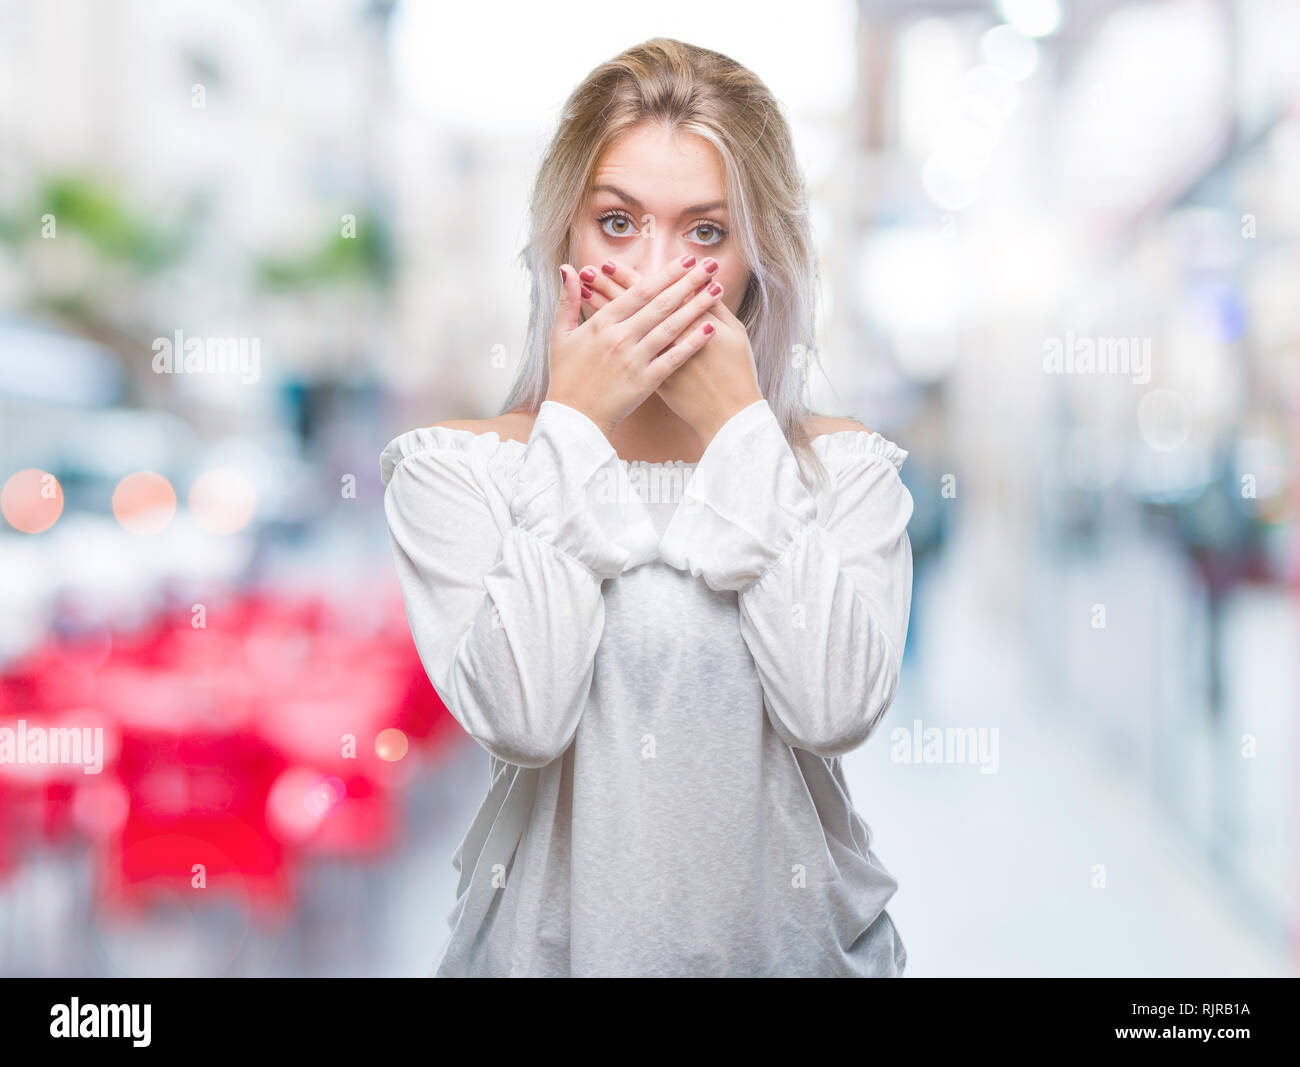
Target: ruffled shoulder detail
pixel 846 444
pixel 488 446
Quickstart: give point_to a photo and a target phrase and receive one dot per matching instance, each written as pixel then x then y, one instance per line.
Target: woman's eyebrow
pixel 694 209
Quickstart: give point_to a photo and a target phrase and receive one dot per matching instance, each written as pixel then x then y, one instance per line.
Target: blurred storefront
pixel 1061 258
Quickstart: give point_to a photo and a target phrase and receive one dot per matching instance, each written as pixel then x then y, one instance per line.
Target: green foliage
pixel 102 217
pixel 365 258
pixel 99 215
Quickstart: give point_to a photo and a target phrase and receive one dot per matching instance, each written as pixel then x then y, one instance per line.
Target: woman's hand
pixel 709 387
pixel 606 366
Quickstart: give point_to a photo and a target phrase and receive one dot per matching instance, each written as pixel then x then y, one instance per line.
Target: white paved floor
pixel 996 871
pixel 1000 874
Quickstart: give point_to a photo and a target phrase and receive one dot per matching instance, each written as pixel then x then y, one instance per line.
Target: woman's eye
pixel 715 233
pixel 622 221
pixel 617 224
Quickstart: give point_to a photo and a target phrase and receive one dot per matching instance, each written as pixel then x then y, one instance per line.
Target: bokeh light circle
pixel 100 807
pixel 1165 419
pixel 299 802
pixel 144 503
pixel 222 500
pixel 32 500
pixel 391 744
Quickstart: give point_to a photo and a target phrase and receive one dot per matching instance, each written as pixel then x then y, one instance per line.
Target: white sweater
pixel 665 681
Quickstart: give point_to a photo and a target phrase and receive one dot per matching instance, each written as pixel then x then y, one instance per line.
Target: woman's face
pixel 657 196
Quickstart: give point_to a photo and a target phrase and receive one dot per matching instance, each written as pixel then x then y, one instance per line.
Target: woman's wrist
pixel 724 415
pixel 578 406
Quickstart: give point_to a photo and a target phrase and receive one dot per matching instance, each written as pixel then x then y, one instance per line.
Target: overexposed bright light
pixel 988 95
pixel 947 189
pixel 1034 18
pixel 1124 127
pixel 962 148
pixel 909 276
pixel 1010 51
pixel 909 286
pixel 532 61
pixel 931 60
pixel 1024 268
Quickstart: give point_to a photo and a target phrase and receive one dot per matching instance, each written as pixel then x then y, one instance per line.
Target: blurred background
pixel 1059 242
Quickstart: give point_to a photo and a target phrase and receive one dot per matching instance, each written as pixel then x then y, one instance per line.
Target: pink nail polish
pixel 609 268
pixel 710 265
pixel 715 289
pixel 587 274
pixel 708 329
pixel 688 261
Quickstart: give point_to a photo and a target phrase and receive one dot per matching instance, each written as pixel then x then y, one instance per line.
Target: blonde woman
pixel 660 593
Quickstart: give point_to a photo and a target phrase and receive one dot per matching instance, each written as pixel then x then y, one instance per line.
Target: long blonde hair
pixel 697 91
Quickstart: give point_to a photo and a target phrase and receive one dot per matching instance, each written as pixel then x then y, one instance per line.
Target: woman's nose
pixel 660 250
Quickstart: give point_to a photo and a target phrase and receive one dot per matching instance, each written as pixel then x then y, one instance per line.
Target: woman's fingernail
pixel 708 329
pixel 710 265
pixel 715 289
pixel 586 293
pixel 688 261
pixel 587 274
pixel 564 277
pixel 609 268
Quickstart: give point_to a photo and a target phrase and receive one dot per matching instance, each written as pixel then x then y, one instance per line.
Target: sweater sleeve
pixel 502 579
pixel 824 602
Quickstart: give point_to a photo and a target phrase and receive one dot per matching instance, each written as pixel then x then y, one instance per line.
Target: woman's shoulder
pixel 512 426
pixel 820 425
pixel 838 439
pixel 500 438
